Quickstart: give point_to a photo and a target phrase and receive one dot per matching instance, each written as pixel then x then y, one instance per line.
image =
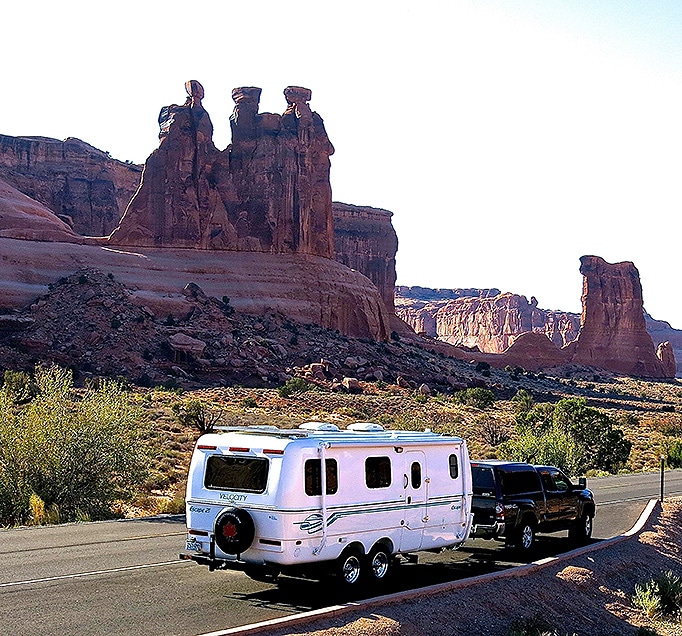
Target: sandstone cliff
pixel 364 240
pixel 484 319
pixel 79 183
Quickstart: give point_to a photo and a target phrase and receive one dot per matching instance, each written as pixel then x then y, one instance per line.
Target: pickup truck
pixel 514 501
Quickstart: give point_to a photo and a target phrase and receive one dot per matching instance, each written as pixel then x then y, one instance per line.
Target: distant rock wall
pixel 483 319
pixel 364 240
pixel 79 183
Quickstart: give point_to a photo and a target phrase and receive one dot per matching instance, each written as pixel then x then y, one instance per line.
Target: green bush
pixel 570 435
pixel 197 414
pixel 660 597
pixel 19 386
pixel 294 386
pixel 477 397
pixel 674 458
pixel 67 456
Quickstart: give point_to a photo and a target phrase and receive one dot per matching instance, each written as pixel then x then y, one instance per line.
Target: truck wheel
pixel 525 536
pixel 378 564
pixel 349 568
pixel 582 530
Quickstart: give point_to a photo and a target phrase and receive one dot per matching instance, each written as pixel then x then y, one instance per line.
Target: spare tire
pixel 234 530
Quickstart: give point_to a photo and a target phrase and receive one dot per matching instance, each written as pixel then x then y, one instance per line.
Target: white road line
pixel 96 572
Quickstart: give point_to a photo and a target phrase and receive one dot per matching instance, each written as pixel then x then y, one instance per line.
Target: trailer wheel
pixel 349 568
pixel 234 530
pixel 378 564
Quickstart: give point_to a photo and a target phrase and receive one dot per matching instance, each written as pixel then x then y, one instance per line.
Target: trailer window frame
pixel 218 476
pixel 453 465
pixel 378 472
pixel 312 476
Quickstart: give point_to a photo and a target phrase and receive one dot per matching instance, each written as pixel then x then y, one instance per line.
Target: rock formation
pixel 662 332
pixel 508 330
pixel 613 331
pixel 23 218
pixel 268 191
pixel 79 183
pixel 364 240
pixel 483 319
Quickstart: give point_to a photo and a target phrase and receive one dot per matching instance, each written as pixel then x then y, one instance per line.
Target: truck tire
pixel 581 531
pixel 379 564
pixel 524 537
pixel 234 530
pixel 349 569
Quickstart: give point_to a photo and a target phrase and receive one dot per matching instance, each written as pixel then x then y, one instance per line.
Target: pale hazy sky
pixel 508 137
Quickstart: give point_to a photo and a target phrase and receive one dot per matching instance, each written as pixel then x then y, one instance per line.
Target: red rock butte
pixel 253 222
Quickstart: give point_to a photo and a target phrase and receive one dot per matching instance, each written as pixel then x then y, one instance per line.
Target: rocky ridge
pixel 82 185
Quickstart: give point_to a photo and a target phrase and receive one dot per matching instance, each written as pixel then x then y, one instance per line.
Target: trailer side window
pixel 247 474
pixel 454 466
pixel 313 477
pixel 378 472
pixel 416 474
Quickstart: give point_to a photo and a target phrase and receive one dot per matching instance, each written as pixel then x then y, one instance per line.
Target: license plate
pixel 191 545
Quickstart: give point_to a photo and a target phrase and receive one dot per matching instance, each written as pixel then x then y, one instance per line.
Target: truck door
pixel 561 501
pixel 415 496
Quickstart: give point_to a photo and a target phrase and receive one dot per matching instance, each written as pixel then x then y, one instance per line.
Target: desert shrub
pixel 249 402
pixel 476 397
pixel 197 414
pixel 570 435
pixel 65 456
pixel 294 386
pixel 493 432
pixel 523 400
pixel 661 596
pixel 674 455
pixel 19 386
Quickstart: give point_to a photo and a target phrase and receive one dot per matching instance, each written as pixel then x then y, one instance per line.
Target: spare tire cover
pixel 234 530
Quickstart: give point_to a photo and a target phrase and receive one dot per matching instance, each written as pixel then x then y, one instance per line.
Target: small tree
pixel 197 414
pixel 477 397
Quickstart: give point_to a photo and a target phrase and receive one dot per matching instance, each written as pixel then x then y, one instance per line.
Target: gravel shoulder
pixel 585 594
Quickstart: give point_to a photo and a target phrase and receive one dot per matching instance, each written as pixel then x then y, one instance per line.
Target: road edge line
pixel 389 599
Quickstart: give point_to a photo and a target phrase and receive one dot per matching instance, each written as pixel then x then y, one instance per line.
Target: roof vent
pixel 319 426
pixel 366 427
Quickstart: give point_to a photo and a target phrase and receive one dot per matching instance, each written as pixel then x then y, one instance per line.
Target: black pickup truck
pixel 514 501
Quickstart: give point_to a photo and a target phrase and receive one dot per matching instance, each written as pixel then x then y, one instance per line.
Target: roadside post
pixel 662 476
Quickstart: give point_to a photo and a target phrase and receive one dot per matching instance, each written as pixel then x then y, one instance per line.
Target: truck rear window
pixel 482 478
pixel 246 474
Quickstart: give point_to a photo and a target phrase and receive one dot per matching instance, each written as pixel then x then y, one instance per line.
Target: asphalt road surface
pixel 123 577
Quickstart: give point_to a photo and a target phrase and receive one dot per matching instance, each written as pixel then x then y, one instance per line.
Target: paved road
pixel 122 577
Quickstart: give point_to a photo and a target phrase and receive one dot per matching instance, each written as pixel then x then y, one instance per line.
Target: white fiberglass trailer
pixel 258 501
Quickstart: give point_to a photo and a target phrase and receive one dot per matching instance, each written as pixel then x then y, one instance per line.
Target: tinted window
pixel 483 482
pixel 518 482
pixel 248 474
pixel 416 474
pixel 561 482
pixel 454 466
pixel 313 477
pixel 378 472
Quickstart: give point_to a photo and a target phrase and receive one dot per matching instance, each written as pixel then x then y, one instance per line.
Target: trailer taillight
pixel 273 451
pixel 206 447
pixel 238 449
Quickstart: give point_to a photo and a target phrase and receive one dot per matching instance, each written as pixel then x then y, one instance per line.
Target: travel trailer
pixel 259 501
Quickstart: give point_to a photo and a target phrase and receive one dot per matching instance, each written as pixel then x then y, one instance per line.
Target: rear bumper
pixel 487 532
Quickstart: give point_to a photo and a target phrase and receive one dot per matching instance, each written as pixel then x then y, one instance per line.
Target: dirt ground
pixel 587 594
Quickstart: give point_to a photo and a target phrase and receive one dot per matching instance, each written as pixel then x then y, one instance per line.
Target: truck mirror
pixel 582 482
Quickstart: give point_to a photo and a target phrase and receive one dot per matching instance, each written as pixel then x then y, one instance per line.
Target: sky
pixel 508 137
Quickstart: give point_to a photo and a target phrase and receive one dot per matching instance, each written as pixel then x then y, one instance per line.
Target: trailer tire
pixel 234 530
pixel 350 569
pixel 379 564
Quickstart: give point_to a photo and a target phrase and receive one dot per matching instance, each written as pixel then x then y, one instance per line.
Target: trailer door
pixel 415 514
